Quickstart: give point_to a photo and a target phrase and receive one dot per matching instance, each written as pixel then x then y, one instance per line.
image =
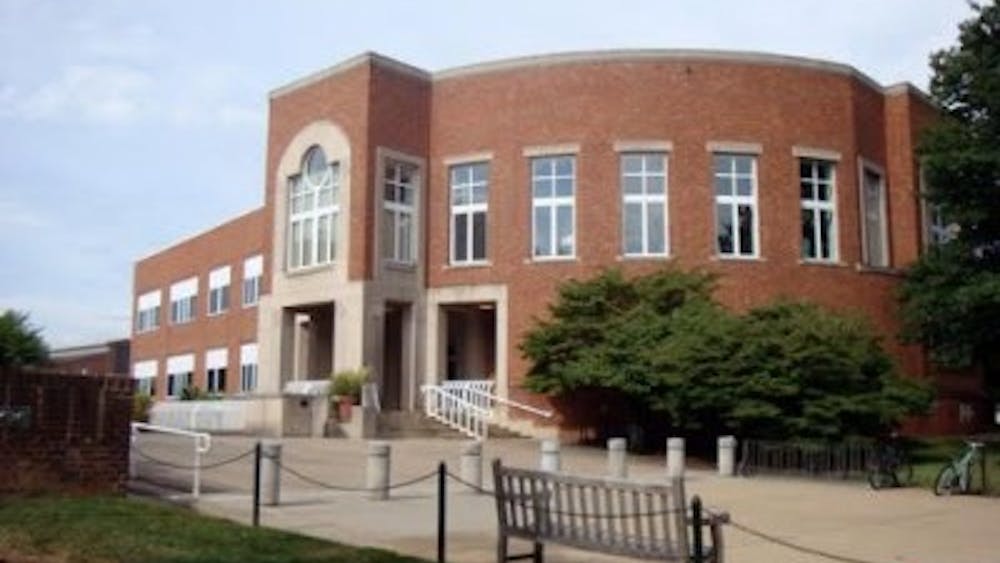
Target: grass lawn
pixel 930 455
pixel 105 529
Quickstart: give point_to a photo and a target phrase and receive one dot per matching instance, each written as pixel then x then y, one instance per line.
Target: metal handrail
pixel 503 400
pixel 202 444
pixel 452 410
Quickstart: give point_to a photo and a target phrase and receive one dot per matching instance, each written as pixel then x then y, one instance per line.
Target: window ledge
pixel 309 269
pixel 400 266
pixel 884 270
pixel 727 258
pixel 644 257
pixel 549 259
pixel 468 265
pixel 217 313
pixel 823 263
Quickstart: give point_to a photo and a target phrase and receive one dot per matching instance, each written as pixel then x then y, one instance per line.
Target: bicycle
pixel 890 467
pixel 958 474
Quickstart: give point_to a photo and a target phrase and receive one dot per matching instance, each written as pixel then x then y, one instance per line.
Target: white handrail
pixel 454 411
pixel 479 391
pixel 202 444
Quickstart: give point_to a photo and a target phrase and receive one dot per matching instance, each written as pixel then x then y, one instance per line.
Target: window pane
pixel 479 236
pixel 564 166
pixel 405 237
pixel 654 163
pixel 873 218
pixel 460 228
pixel 543 232
pixel 656 228
pixel 632 163
pixel 633 228
pixel 460 195
pixel 296 249
pixel 542 188
pixel 541 167
pixel 333 236
pixel 564 218
pixel 746 229
pixel 654 185
pixel 389 192
pixel 479 193
pixel 823 192
pixel 808 234
pixel 805 169
pixel 825 234
pixel 724 228
pixel 632 184
pixel 806 189
pixel 824 170
pixel 564 187
pixel 480 172
pixel 307 242
pixel 323 240
pixel 744 164
pixel 388 234
pixel 744 186
pixel 723 185
pixel 406 195
pixel 326 197
pixel 722 164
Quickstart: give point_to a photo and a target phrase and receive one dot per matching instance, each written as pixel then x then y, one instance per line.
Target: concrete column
pixel 270 472
pixel 617 466
pixel 472 464
pixel 675 457
pixel 727 455
pixel 377 476
pixel 549 460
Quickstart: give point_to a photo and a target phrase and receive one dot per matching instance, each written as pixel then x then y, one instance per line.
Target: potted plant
pixel 345 390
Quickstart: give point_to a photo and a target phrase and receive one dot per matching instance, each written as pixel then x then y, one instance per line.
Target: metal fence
pixel 843 460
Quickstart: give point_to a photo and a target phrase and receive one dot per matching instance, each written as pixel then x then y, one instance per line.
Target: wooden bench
pixel 643 520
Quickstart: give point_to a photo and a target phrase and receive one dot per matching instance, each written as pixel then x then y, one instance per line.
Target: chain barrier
pixel 203 466
pixel 794 546
pixel 349 489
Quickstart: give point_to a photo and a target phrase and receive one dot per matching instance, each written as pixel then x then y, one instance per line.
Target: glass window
pixel 643 177
pixel 876 253
pixel 819 210
pixel 398 223
pixel 218 290
pixel 148 312
pixel 253 272
pixel 736 222
pixel 216 380
pixel 469 207
pixel 312 211
pixel 553 181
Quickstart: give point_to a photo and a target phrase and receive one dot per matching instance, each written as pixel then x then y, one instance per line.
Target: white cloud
pixel 15 215
pixel 95 93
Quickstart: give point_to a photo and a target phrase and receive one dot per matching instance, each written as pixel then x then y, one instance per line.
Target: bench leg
pixel 538 555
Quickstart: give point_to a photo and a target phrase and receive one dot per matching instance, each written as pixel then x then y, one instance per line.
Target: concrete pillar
pixel 617 466
pixel 270 472
pixel 727 456
pixel 377 476
pixel 549 460
pixel 675 457
pixel 472 464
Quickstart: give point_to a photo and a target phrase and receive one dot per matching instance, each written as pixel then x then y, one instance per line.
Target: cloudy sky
pixel 125 126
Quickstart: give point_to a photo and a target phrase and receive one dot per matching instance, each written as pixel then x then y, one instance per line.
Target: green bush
pixel 785 370
pixel 141 403
pixel 348 383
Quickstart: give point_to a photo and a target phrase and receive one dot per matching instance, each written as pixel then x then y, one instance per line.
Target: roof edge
pixel 189 238
pixel 347 64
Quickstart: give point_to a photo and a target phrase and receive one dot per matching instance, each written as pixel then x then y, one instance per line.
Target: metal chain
pixel 343 488
pixel 796 547
pixel 174 465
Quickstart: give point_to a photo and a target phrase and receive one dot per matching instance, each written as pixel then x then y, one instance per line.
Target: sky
pixel 126 126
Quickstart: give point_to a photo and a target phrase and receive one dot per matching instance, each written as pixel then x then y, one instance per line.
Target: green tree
pixel 20 343
pixel 951 295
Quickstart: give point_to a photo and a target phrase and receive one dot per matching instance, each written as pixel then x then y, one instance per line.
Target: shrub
pixel 141 403
pixel 348 383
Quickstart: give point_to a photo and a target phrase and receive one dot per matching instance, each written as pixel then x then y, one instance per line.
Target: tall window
pixel 180 370
pixel 216 361
pixel 553 186
pixel 876 251
pixel 644 205
pixel 148 312
pixel 398 200
pixel 248 368
pixel 218 290
pixel 312 211
pixel 469 205
pixel 735 205
pixel 183 297
pixel 253 272
pixel 819 210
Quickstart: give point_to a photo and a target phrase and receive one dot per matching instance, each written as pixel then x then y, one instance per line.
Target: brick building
pixel 417 222
pixel 111 357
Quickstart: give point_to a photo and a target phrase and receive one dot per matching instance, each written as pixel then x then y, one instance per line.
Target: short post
pixel 549 460
pixel 675 457
pixel 133 461
pixel 617 466
pixel 256 485
pixel 698 555
pixel 472 464
pixel 442 506
pixel 270 472
pixel 726 456
pixel 377 477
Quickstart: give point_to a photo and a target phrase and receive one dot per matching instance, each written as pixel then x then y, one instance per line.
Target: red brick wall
pixel 78 438
pixel 227 244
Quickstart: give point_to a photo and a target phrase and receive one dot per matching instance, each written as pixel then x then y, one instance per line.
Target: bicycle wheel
pixel 947 481
pixel 879 478
pixel 904 474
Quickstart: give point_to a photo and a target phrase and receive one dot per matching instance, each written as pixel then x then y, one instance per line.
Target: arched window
pixel 313 206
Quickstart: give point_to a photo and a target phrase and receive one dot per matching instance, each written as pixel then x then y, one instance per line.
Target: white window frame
pixel 469 209
pixel 735 201
pixel 144 373
pixel 253 273
pixel 219 284
pixel 216 359
pixel 816 206
pixel 553 203
pixel 180 374
pixel 248 368
pixel 400 253
pixel 183 301
pixel 644 199
pixel 147 317
pixel 300 187
pixel 863 166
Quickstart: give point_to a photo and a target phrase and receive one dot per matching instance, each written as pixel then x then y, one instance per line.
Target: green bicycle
pixel 958 475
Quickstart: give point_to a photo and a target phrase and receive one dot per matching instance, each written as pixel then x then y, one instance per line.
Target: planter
pixel 344 407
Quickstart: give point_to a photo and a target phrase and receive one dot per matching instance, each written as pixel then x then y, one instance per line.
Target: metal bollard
pixel 675 457
pixel 472 464
pixel 270 473
pixel 377 477
pixel 727 455
pixel 617 466
pixel 549 460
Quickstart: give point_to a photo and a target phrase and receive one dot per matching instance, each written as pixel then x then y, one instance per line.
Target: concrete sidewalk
pixel 906 525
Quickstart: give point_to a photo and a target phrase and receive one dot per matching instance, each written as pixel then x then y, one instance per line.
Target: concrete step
pixel 412 424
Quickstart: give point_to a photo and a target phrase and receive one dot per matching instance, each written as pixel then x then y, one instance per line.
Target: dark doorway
pixel 392 358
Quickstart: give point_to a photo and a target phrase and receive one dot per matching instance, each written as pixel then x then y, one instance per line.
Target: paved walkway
pixel 906 525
